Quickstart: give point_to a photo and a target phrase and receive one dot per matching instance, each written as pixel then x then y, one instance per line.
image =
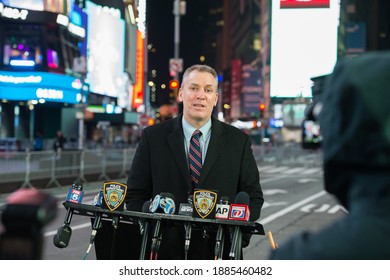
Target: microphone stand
pixel 114 223
pixel 188 230
pixel 96 225
pixel 236 244
pixel 145 235
pixel 219 244
pixel 156 236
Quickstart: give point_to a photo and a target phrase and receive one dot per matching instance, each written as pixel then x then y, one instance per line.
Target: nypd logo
pixel 204 202
pixel 114 195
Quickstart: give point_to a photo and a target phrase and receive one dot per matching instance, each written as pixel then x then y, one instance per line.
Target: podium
pixel 121 226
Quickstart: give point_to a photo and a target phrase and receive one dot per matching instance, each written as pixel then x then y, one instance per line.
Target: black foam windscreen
pixel 242 198
pixel 145 206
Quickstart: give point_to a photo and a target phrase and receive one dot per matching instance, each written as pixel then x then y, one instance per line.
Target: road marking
pixel 265 167
pixel 292 207
pixel 269 204
pixel 312 170
pixel 323 208
pixel 272 169
pixel 336 208
pixel 278 169
pixel 273 191
pixel 307 180
pixel 297 170
pixel 308 208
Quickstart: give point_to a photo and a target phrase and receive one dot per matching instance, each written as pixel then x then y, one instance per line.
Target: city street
pixel 294 201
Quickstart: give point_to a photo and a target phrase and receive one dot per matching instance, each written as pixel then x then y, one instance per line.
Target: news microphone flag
pixel 187 209
pixel 163 203
pixel 75 193
pixel 222 211
pixel 239 212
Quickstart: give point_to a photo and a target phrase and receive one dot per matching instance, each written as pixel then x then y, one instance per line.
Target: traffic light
pixel 173 84
pixel 174 88
pixel 262 108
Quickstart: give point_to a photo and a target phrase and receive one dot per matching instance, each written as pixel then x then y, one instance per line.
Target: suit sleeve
pixel 139 181
pixel 250 181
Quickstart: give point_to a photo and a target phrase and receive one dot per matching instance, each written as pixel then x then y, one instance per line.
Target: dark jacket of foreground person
pixel 355 123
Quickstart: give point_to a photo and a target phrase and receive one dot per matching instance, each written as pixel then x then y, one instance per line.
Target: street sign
pixel 176 65
pixel 143 119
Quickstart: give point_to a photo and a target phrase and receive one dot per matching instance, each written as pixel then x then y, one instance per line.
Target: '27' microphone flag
pixel 239 212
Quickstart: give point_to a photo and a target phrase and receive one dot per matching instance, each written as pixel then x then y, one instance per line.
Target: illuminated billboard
pixel 54 6
pixel 303 45
pixel 304 4
pixel 106 50
pixel 39 86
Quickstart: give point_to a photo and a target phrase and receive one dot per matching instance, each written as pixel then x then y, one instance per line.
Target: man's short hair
pixel 200 68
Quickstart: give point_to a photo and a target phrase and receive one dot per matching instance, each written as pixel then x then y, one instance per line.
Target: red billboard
pixel 284 4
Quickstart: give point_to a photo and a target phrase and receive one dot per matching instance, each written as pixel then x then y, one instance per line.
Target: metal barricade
pixel 52 167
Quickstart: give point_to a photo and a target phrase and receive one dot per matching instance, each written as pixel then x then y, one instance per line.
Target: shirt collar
pixel 189 129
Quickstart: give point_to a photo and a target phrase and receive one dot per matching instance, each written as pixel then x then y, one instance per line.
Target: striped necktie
pixel 195 158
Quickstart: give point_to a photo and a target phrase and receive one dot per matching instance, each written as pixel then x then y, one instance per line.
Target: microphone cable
pixel 96 225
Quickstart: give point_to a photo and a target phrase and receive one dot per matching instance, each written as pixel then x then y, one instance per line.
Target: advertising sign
pixel 39 86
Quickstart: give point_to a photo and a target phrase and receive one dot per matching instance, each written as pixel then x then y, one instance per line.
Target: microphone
pixel 162 203
pixel 75 195
pixel 144 228
pixel 221 212
pixel 239 211
pixel 186 209
pixel 98 201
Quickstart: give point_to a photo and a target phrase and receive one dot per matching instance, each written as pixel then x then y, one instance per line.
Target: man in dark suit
pixel 161 163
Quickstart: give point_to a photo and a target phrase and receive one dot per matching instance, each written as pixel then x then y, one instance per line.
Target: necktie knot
pixel 197 133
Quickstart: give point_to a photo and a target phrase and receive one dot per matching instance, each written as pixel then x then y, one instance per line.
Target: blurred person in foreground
pixel 161 162
pixel 355 124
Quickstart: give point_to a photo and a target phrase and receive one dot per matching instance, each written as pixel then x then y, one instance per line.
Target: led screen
pixel 303 45
pixel 37 5
pixel 304 3
pixel 55 6
pixel 106 34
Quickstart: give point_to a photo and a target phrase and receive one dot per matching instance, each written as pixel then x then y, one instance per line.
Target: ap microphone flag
pixel 222 209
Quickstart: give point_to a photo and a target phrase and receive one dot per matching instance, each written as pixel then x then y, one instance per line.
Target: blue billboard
pixel 24 86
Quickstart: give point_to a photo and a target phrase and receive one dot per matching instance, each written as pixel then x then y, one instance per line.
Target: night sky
pixel 160 25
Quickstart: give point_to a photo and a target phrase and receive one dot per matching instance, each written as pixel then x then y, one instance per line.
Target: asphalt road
pixel 294 201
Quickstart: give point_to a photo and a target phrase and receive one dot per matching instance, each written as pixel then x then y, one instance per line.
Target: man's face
pixel 199 96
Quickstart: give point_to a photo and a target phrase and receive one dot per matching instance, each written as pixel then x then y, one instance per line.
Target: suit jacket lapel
pixel 176 144
pixel 216 145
